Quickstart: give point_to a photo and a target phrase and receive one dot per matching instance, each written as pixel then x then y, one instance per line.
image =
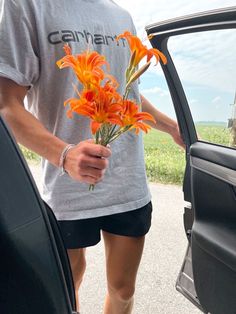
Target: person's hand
pixel 178 138
pixel 87 162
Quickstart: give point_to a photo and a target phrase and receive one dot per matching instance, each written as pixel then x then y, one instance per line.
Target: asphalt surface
pixel 162 258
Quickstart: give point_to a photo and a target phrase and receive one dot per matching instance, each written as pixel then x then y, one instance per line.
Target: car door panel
pixel 214 229
pixel 208 274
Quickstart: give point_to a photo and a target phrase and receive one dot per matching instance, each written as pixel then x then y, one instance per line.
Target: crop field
pixel 165 160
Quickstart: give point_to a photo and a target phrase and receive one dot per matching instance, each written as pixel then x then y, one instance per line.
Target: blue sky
pixel 206 67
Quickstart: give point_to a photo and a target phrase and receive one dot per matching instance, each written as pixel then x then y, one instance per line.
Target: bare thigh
pixel 123 255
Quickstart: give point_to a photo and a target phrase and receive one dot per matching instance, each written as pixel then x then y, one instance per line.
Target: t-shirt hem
pixel 8 72
pixel 99 212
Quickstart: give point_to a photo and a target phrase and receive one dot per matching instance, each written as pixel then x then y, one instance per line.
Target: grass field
pixel 165 160
pixel 215 133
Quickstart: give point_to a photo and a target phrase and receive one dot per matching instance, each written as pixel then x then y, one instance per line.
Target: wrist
pixel 63 155
pixel 174 129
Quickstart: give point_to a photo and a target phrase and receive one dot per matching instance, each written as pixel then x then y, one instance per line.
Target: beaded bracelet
pixel 63 157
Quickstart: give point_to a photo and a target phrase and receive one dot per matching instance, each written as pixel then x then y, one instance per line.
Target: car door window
pixel 205 62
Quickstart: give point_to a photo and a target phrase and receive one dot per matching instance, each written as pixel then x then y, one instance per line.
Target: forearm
pixel 163 122
pixel 85 162
pixel 29 132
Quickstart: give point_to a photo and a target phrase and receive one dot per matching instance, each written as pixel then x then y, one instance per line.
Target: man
pixel 119 207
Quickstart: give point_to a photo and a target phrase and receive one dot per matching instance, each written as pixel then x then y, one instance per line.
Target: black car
pixel 35 276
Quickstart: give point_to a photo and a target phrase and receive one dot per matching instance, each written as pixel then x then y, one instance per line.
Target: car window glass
pixel 164 159
pixel 206 64
pixel 154 87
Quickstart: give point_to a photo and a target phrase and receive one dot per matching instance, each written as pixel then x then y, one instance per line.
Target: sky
pixel 206 67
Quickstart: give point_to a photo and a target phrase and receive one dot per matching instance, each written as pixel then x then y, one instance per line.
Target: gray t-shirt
pixel 32 35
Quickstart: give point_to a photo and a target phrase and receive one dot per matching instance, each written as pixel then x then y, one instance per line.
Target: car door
pixel 192 45
pixel 35 275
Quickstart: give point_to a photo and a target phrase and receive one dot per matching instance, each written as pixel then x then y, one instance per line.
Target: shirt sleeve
pixel 18 49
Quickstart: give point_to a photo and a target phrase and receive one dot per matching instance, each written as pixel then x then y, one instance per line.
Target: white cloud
pixel 156 90
pixel 207 58
pixel 197 58
pixel 146 12
pixel 206 64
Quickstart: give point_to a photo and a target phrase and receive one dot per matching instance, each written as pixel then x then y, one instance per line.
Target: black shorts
pixel 87 232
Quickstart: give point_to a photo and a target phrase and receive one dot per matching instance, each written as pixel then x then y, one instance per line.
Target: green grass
pixel 165 160
pixel 30 156
pixel 217 134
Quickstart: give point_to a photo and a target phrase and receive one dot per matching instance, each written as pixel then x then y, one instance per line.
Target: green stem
pixel 91 187
pixel 119 132
pixel 127 90
pixel 97 137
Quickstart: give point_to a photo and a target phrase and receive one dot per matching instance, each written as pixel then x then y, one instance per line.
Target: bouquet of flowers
pixel 111 114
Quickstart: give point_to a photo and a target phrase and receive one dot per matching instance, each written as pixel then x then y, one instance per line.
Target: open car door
pixel 35 275
pixel 203 86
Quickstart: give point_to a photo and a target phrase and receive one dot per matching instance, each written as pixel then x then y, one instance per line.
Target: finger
pixel 93 173
pixel 93 162
pixel 89 179
pixel 95 150
pixel 93 141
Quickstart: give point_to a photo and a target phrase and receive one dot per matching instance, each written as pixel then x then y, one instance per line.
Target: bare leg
pixel 78 265
pixel 123 255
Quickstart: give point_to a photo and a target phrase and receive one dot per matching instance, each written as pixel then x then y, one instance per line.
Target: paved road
pixel 161 262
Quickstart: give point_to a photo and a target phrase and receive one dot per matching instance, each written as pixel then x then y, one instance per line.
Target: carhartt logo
pixel 66 36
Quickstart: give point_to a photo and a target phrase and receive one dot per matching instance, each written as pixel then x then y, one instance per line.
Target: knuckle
pixel 81 160
pixel 104 164
pixel 100 151
pixel 82 147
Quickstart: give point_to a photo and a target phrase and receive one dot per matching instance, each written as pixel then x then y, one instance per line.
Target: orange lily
pixel 110 114
pixel 87 66
pixel 100 106
pixel 133 118
pixel 81 105
pixel 110 87
pixel 106 110
pixel 139 51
